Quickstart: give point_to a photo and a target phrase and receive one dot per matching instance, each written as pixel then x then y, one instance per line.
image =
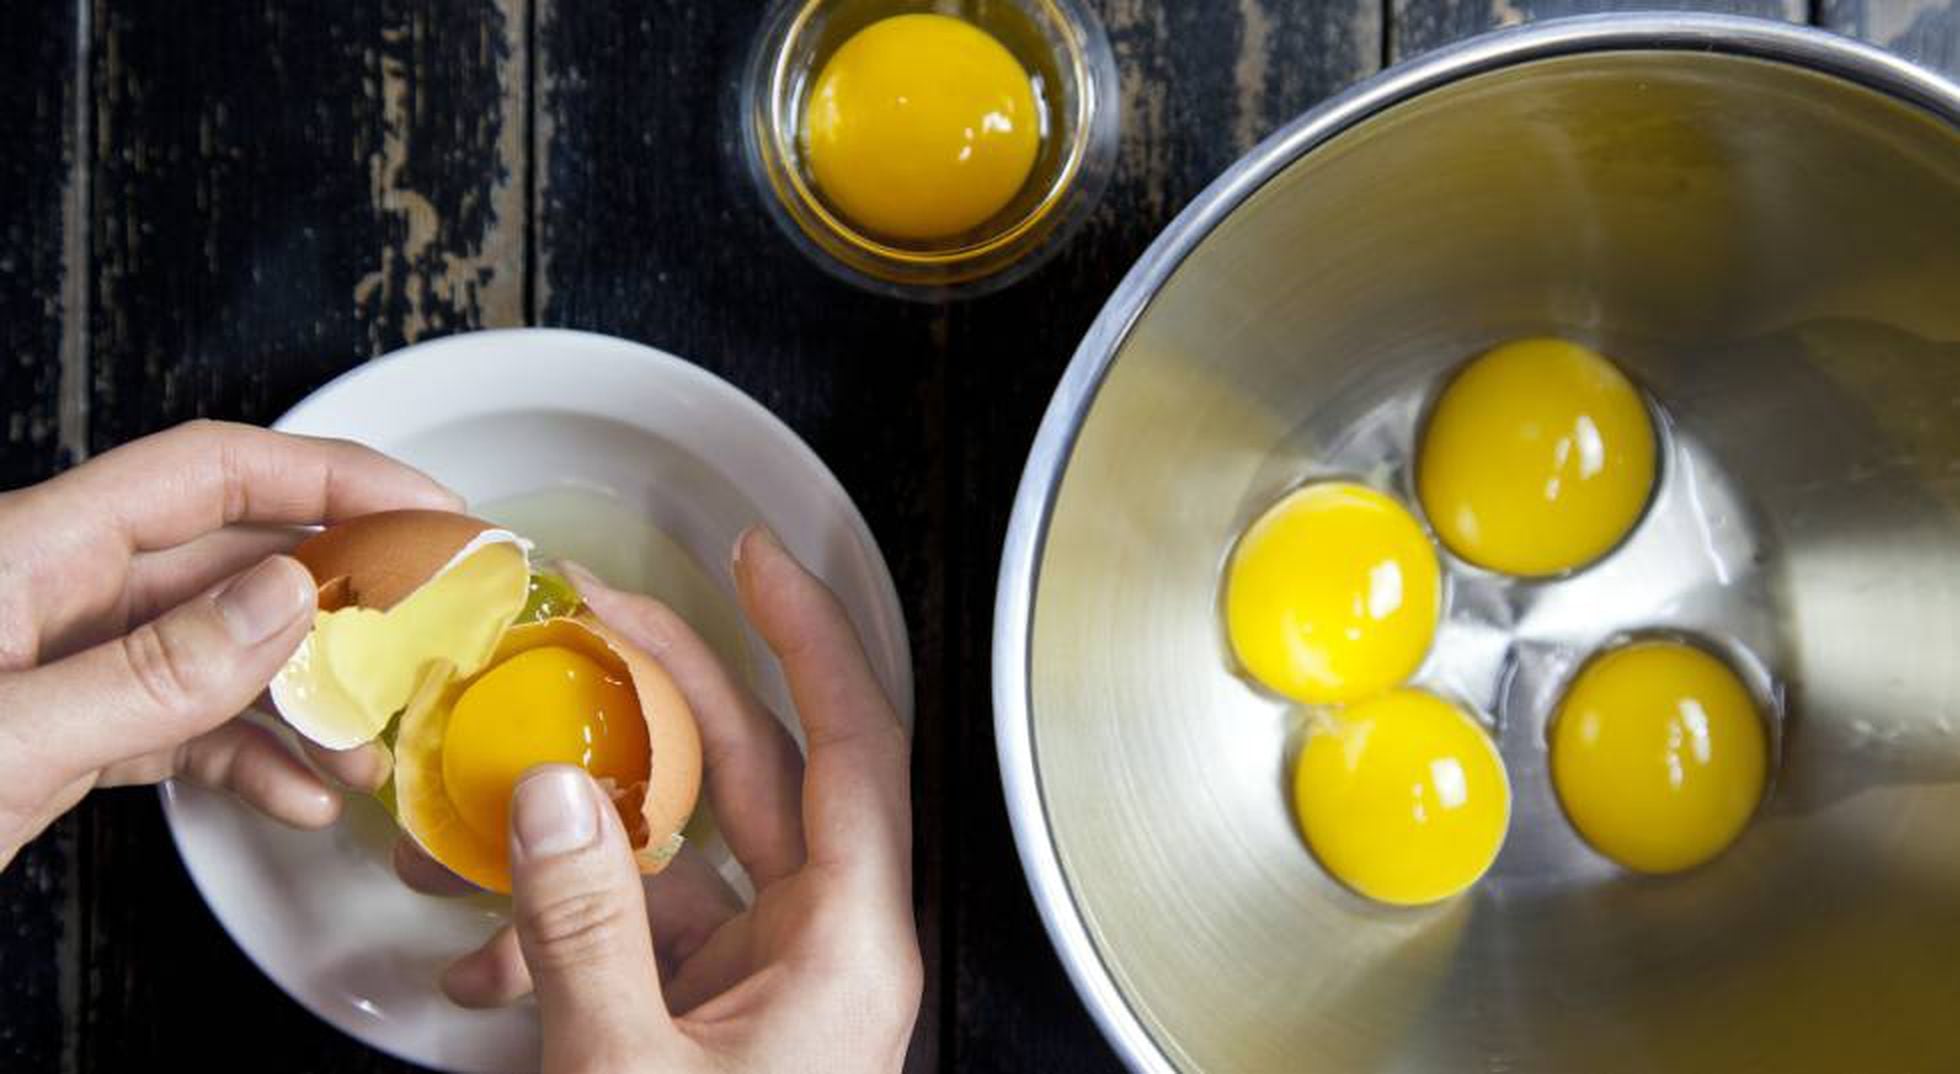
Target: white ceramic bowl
pixel 498 414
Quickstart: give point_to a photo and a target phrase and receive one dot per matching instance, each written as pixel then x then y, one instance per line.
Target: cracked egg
pixel 435 635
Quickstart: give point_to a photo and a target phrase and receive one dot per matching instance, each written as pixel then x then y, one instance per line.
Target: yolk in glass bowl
pixel 1333 594
pixel 921 127
pixel 1659 755
pixel 1537 459
pixel 1402 797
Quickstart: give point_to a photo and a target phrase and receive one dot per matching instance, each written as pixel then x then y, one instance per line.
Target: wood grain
pixel 1924 31
pixel 37 76
pixel 347 180
pixel 38 125
pixel 1201 84
pixel 1421 25
pixel 280 192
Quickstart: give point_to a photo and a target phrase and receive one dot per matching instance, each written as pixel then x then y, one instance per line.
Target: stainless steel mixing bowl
pixel 1762 224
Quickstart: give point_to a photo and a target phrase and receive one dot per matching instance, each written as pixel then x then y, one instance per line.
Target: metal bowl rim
pixel 1034 500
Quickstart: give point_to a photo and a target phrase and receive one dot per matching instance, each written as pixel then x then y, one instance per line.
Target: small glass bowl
pixel 1063 48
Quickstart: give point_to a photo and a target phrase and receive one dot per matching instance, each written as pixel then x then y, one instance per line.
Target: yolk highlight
pixel 1659 755
pixel 542 706
pixel 1402 797
pixel 921 127
pixel 1333 594
pixel 1537 459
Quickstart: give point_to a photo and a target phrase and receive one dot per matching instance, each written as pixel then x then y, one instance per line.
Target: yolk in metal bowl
pixel 921 127
pixel 1659 755
pixel 1333 594
pixel 1402 797
pixel 1538 458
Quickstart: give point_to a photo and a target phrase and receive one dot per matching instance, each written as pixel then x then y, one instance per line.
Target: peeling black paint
pixel 249 240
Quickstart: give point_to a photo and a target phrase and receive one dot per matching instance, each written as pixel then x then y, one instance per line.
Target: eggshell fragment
pixel 378 563
pixel 674 741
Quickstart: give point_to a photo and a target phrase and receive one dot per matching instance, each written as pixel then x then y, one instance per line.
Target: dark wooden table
pixel 211 209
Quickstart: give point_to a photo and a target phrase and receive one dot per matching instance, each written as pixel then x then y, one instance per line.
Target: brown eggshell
pixel 376 561
pixel 674 740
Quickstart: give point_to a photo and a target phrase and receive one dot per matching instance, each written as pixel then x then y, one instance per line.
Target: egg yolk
pixel 1538 458
pixel 1333 594
pixel 542 706
pixel 921 127
pixel 1659 755
pixel 1402 797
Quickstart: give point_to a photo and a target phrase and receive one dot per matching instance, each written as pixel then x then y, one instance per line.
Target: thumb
pixel 582 924
pixel 167 681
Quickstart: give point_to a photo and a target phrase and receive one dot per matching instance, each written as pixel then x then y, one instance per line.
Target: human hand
pixel 821 972
pixel 129 639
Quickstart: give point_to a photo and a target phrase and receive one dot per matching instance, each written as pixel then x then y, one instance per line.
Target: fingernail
pixel 467 981
pixel 554 812
pixel 265 600
pixel 321 808
pixel 757 532
pixel 377 765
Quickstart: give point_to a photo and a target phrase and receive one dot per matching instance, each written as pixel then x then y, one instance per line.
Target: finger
pixel 364 768
pixel 720 965
pixel 162 684
pixel 162 580
pixel 752 769
pixel 856 796
pixel 180 484
pixel 426 875
pixel 493 975
pixel 252 763
pixel 706 954
pixel 246 760
pixel 687 904
pixel 158 581
pixel 38 816
pixel 581 922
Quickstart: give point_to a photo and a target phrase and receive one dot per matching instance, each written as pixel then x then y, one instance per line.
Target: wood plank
pixel 1421 25
pixel 1924 31
pixel 35 893
pixel 279 193
pixel 37 182
pixel 1201 84
pixel 649 228
pixel 37 75
pixel 346 181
